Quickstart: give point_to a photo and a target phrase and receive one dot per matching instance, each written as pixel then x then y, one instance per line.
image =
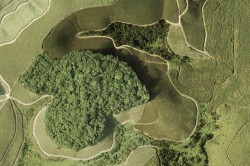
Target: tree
pixel 87 89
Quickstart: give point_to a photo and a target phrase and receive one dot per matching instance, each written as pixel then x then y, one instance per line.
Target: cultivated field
pixel 232 96
pixel 171 11
pixel 140 156
pixel 177 43
pixel 231 143
pixel 192 23
pixel 7 132
pixel 14 22
pixel 12 136
pixel 13 150
pixel 182 4
pixel 9 6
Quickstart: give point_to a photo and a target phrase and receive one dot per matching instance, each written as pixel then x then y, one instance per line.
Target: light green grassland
pixel 13 23
pixel 140 156
pixel 178 45
pixel 7 123
pixel 154 161
pixel 9 7
pixel 231 143
pixel 171 11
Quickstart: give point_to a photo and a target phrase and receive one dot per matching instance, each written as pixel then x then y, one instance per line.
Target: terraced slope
pixel 13 23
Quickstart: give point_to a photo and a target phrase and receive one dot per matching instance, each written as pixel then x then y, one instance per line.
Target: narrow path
pixel 231 142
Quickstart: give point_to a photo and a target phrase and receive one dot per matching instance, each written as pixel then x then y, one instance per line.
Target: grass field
pixel 198 78
pixel 9 7
pixel 20 93
pixel 171 11
pixel 4 3
pixel 216 12
pixel 13 23
pixel 8 125
pixel 230 146
pixel 177 43
pixel 241 141
pixel 99 17
pixel 192 23
pixel 231 97
pixel 140 156
pixel 14 149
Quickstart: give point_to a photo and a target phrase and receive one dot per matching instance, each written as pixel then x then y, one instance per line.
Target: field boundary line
pixel 231 142
pixel 185 37
pixel 205 27
pixel 190 98
pixel 25 27
pixel 8 14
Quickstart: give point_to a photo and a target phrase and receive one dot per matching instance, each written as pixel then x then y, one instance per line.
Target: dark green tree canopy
pixel 87 88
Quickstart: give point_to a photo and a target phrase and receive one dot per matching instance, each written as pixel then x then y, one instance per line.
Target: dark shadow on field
pixel 141 70
pixel 193 24
pixel 110 125
pixel 138 12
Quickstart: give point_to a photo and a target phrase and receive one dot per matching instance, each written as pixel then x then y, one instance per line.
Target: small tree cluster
pixel 148 38
pixel 87 88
